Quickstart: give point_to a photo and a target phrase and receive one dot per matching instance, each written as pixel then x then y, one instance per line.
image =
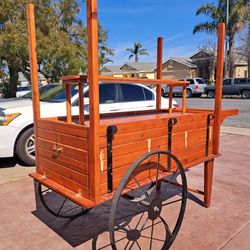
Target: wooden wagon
pixel 136 159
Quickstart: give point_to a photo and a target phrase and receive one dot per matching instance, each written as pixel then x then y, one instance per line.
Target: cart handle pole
pixel 218 88
pixel 159 71
pixel 93 77
pixel 33 70
pixel 33 61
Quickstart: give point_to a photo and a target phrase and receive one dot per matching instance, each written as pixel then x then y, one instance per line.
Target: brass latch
pixel 57 149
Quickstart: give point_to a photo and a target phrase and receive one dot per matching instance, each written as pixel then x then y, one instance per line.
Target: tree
pixel 207 64
pixel 217 14
pixel 61 39
pixel 137 51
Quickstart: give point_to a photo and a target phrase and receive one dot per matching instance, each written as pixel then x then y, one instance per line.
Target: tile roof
pixel 142 66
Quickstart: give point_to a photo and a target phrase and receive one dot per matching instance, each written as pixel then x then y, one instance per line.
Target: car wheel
pixel 210 94
pixel 245 94
pixel 25 148
pixel 188 93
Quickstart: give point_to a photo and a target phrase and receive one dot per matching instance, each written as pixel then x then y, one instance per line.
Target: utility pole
pixel 226 41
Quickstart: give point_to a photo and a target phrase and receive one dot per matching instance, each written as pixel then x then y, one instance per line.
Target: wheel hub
pixel 133 235
pixel 154 209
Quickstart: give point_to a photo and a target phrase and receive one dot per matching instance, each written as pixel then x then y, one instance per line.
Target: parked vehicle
pixel 195 88
pixel 16 115
pixel 232 86
pixel 22 91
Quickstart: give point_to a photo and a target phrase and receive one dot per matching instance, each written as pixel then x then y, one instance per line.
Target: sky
pixel 130 21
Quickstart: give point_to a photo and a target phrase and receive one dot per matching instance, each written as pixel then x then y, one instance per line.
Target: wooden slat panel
pixel 198 143
pixel 193 138
pixel 63 171
pixel 62 190
pixel 186 156
pixel 132 124
pixel 148 134
pixel 62 127
pixel 68 151
pixel 67 162
pixel 73 141
pixel 64 181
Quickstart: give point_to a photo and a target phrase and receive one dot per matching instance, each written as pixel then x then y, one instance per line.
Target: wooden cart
pixel 136 159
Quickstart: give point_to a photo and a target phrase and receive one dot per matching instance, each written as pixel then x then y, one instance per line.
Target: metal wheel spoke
pixel 154 225
pixel 157 172
pixel 172 177
pixel 138 244
pixel 171 202
pixel 127 245
pixel 147 237
pixel 144 224
pixel 152 234
pixel 121 239
pixel 61 206
pixel 139 220
pixel 144 193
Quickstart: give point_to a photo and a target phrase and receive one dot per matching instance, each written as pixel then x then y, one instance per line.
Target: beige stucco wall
pixel 177 70
pixel 147 75
pixel 240 71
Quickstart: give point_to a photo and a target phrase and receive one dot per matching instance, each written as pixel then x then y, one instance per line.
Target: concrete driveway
pixel 226 225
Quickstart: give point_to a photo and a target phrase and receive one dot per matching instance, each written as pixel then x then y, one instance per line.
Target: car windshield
pixel 200 81
pixel 57 94
pixel 42 90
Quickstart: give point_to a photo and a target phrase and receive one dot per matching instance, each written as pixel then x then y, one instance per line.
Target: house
pixel 178 67
pixel 206 64
pixel 130 69
pixel 200 64
pixel 241 66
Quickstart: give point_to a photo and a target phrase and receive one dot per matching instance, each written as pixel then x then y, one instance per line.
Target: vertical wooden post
pixel 93 70
pixel 208 166
pixel 68 103
pixel 218 88
pixel 208 182
pixel 33 68
pixel 170 99
pixel 159 71
pixel 184 99
pixel 81 103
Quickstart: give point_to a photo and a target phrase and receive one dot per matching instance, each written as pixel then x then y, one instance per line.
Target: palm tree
pixel 217 13
pixel 137 51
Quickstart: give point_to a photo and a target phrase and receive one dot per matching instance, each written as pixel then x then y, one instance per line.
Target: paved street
pixel 226 225
pixel 242 120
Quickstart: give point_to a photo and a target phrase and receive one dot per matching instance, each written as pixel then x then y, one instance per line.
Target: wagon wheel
pixel 58 205
pixel 147 193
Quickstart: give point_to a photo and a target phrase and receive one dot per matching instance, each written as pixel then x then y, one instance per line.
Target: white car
pixel 21 91
pixel 16 115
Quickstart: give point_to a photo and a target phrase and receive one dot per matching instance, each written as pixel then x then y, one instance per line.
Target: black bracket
pixel 111 130
pixel 209 118
pixel 171 123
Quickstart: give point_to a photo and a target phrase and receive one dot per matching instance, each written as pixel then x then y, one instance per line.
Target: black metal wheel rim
pixel 58 205
pixel 138 216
